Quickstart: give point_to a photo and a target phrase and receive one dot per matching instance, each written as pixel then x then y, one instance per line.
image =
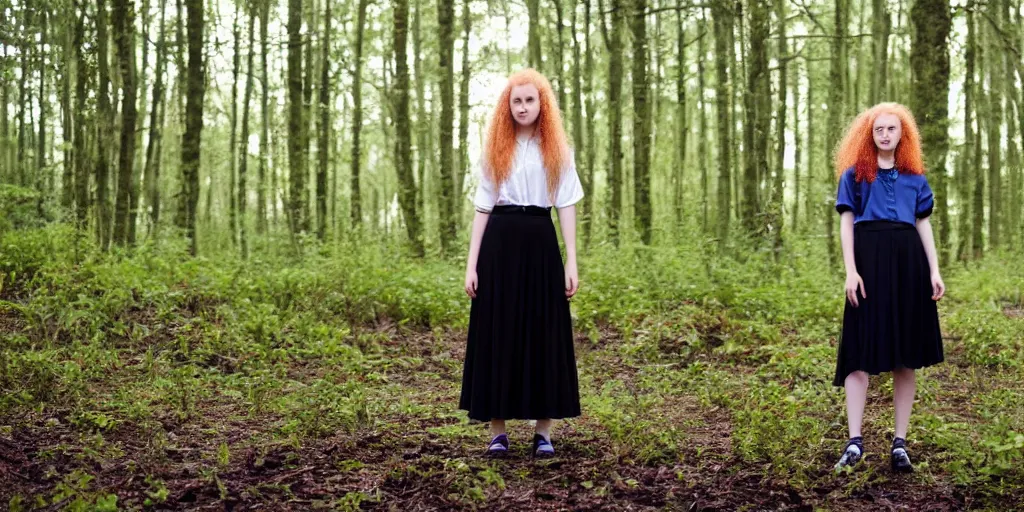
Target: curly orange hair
pixel 500 147
pixel 857 149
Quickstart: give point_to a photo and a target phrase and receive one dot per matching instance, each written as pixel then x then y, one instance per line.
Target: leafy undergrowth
pixel 161 382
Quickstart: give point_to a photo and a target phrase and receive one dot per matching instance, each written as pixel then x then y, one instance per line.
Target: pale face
pixel 887 131
pixel 524 102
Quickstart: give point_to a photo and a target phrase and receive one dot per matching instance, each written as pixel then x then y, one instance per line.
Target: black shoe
pixel 498 447
pixel 542 448
pixel 852 453
pixel 900 458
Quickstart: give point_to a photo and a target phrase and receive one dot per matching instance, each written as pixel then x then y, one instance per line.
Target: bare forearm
pixel 846 237
pixel 567 222
pixel 479 225
pixel 924 229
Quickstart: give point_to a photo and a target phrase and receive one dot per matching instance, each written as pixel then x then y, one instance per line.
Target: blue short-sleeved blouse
pixel 893 196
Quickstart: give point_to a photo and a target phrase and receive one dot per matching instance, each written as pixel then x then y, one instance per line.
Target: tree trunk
pixel 236 64
pixel 929 63
pixel 24 102
pixel 965 160
pixel 104 127
pixel 589 190
pixel 81 142
pixel 68 125
pixel 798 153
pixel 152 171
pixel 297 144
pixel 776 221
pixel 463 169
pixel 190 141
pixel 243 141
pixel 614 46
pixel 446 21
pixel 836 109
pixel 323 145
pixel 723 95
pixel 701 105
pixel 812 162
pixel 422 116
pixel 5 128
pixel 41 172
pixel 124 30
pixel 577 109
pixel 357 119
pixel 533 41
pixel 994 129
pixel 682 126
pixel 757 100
pixel 978 199
pixel 560 54
pixel 261 187
pixel 881 25
pixel 641 123
pixel 403 137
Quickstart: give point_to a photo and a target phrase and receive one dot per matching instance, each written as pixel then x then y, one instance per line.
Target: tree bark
pixel 124 28
pixel 533 34
pixel 881 25
pixel 243 141
pixel 613 42
pixel 929 63
pixel 190 141
pixel 261 187
pixel 641 124
pixel 836 109
pixel 403 137
pixel 81 141
pixel 446 21
pixel 152 169
pixel 463 168
pixel 589 190
pixel 723 95
pixel 323 131
pixel 357 120
pixel 757 100
pixel 298 145
pixel 775 220
pixel 682 126
pixel 104 126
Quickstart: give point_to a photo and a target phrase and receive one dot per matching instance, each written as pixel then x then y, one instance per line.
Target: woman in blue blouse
pixel 890 323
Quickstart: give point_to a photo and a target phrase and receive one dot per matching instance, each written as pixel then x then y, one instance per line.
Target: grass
pixel 331 382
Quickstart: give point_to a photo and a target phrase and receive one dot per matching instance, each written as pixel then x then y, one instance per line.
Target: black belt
pixel 515 209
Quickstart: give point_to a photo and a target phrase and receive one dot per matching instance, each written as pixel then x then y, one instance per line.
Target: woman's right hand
pixel 853 282
pixel 471 283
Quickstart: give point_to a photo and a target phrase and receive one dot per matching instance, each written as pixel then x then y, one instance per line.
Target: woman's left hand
pixel 938 287
pixel 572 279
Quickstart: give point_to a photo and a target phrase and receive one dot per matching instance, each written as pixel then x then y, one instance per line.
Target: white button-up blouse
pixel 527 185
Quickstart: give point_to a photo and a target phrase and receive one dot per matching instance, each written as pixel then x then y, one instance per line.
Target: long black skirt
pixel 897 324
pixel 520 362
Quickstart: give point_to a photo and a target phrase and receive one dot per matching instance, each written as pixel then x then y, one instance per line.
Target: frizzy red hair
pixel 500 147
pixel 858 150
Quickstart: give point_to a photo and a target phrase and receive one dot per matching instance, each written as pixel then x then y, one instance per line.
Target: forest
pixel 233 235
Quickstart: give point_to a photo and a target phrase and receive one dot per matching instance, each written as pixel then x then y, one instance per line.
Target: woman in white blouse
pixel 520 362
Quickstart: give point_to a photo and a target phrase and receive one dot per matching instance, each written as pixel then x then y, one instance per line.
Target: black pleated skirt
pixel 897 325
pixel 520 362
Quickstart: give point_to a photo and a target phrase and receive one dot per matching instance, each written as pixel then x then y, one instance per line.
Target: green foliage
pixel 681 343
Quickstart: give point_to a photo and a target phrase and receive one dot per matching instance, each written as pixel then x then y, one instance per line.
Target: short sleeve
pixel 570 190
pixel 925 201
pixel 485 196
pixel 846 199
